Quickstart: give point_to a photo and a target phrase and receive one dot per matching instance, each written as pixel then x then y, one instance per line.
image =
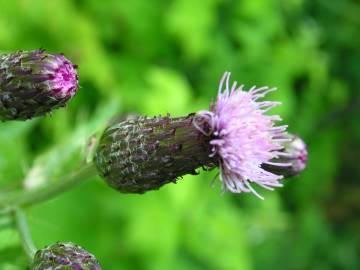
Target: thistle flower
pixel 243 136
pixel 33 83
pixel 64 256
pixel 235 134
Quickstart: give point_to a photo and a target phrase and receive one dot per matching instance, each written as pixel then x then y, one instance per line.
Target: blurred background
pixel 157 57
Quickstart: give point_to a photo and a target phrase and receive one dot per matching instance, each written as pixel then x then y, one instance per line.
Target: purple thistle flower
pixel 33 83
pixel 142 154
pixel 243 136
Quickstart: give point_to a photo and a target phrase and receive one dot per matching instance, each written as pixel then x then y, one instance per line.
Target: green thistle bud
pixel 64 256
pixel 33 83
pixel 135 156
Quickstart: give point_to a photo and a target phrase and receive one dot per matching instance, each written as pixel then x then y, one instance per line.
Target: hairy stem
pixel 23 228
pixel 49 191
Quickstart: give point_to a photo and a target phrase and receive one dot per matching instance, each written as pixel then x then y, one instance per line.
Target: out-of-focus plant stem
pixel 49 191
pixel 23 229
pixel 5 220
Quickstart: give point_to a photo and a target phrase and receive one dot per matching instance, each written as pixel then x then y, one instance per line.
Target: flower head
pixel 243 136
pixel 236 134
pixel 33 83
pixel 61 256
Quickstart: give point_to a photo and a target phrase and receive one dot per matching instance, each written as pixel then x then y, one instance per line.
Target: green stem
pixel 23 228
pixel 27 198
pixel 5 222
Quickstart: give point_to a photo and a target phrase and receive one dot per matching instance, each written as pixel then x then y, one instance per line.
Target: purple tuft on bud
pixel 236 135
pixel 33 83
pixel 61 256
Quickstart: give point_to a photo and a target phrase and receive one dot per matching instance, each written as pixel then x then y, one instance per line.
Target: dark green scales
pixel 138 155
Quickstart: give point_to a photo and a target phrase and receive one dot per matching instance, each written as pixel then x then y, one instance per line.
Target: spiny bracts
pixel 138 155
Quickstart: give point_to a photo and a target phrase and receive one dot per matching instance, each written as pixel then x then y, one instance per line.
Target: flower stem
pixel 5 222
pixel 49 191
pixel 23 228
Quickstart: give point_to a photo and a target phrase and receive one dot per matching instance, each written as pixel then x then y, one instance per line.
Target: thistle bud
pixel 236 135
pixel 135 156
pixel 33 83
pixel 61 256
pixel 294 156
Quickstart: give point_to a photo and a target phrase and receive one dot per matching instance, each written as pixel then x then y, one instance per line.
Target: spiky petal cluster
pixel 33 83
pixel 243 136
pixel 61 256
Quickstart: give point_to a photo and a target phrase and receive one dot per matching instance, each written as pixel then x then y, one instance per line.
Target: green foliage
pixel 159 56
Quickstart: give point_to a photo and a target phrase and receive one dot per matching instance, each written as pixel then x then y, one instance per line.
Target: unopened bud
pixel 33 83
pixel 135 156
pixel 294 156
pixel 64 256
